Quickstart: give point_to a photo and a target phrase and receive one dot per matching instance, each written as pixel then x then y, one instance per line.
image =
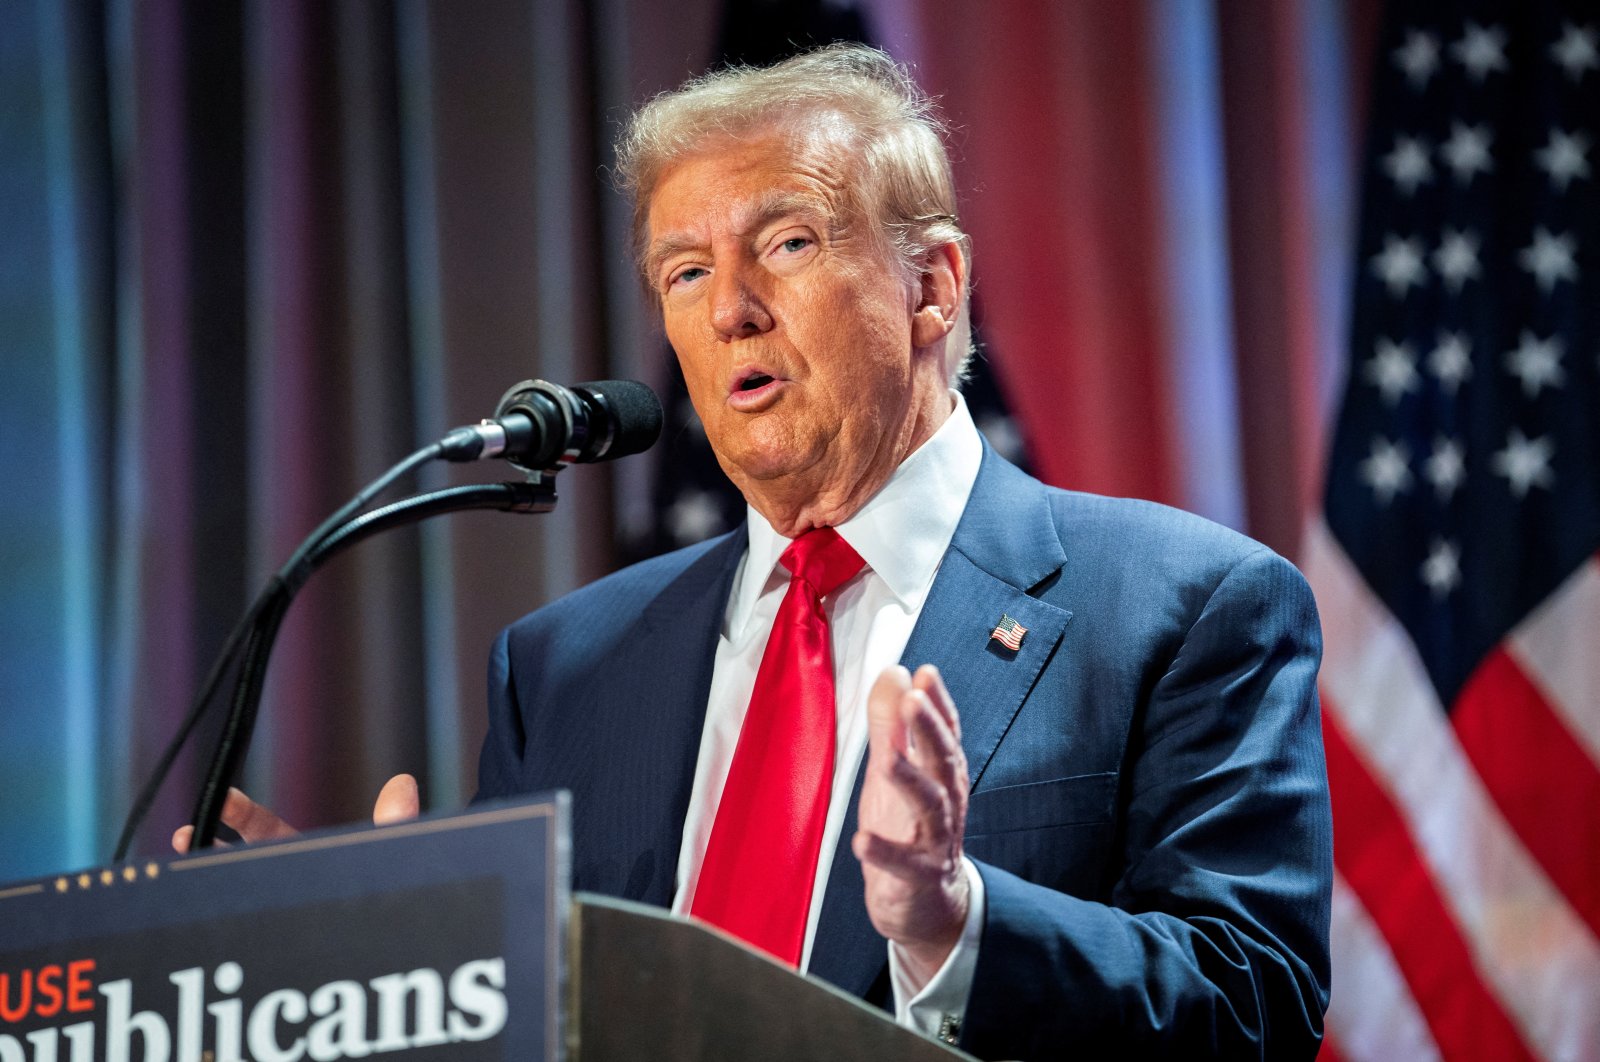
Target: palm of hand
pixel 913 815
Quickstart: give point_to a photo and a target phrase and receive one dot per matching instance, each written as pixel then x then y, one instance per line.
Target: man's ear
pixel 941 285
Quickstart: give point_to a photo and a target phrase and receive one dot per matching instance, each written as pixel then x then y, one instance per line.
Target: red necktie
pixel 761 860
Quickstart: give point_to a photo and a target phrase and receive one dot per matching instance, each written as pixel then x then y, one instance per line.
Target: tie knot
pixel 822 559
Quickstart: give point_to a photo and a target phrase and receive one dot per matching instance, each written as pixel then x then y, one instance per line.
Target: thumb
pixel 181 838
pixel 885 731
pixel 397 801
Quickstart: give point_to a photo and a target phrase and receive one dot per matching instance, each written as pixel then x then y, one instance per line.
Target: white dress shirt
pixel 902 534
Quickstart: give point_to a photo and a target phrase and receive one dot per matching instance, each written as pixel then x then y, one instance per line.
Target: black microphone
pixel 541 426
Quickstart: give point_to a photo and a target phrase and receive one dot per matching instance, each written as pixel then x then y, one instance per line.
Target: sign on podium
pixel 447 937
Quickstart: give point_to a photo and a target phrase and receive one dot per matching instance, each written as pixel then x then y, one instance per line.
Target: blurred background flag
pixel 1455 565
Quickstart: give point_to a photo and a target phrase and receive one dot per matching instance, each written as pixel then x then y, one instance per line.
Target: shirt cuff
pixel 936 1009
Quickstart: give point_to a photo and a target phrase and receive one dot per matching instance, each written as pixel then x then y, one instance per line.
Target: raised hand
pixel 913 816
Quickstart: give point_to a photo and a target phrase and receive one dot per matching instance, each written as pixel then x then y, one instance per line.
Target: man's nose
pixel 737 308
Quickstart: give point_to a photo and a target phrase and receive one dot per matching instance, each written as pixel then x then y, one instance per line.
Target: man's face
pixel 793 324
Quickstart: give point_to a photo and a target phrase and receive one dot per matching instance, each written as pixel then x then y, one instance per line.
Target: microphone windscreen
pixel 635 410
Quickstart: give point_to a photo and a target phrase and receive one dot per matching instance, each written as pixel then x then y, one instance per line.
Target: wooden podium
pixel 450 937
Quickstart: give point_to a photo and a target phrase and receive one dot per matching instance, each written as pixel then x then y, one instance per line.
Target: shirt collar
pixel 902 532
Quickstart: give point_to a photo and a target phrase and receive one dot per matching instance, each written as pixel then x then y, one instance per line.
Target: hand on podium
pixel 397 801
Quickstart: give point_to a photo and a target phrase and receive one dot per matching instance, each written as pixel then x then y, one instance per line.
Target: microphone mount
pixel 539 427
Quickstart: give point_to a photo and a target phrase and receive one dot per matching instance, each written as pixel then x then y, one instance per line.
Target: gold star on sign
pixel 130 874
pixel 83 881
pixel 106 877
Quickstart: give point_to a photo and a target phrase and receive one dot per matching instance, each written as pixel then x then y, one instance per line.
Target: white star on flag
pixel 1387 470
pixel 1550 258
pixel 1577 51
pixel 694 516
pixel 1392 369
pixel 1525 463
pixel 1466 152
pixel 1400 264
pixel 1442 570
pixel 1537 363
pixel 1408 164
pixel 1451 361
pixel 1481 50
pixel 1445 468
pixel 1418 57
pixel 1563 158
pixel 1456 259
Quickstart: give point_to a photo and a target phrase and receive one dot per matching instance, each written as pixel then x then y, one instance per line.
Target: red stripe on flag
pixel 1545 784
pixel 1374 851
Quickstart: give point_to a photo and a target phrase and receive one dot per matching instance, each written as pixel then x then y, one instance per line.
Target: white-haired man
pixel 1095 817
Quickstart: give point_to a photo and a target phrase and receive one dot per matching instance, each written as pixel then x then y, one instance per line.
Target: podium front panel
pixel 440 938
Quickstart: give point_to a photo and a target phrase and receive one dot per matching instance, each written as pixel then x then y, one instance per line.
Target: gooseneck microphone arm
pixel 234 741
pixel 274 597
pixel 538 426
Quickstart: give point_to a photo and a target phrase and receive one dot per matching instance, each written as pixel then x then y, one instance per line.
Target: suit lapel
pixel 1005 545
pixel 672 663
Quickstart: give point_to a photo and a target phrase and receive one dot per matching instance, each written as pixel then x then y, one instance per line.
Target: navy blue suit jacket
pixel 1149 805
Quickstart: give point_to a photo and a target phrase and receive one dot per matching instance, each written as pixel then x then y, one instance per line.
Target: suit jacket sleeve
pixel 1209 935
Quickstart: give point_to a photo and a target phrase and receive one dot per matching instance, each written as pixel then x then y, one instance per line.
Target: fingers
pixel 183 839
pixel 916 768
pixel 251 821
pixel 934 748
pixel 930 801
pixel 890 688
pixel 915 720
pixel 398 801
pixel 885 731
pixel 929 681
pixel 912 815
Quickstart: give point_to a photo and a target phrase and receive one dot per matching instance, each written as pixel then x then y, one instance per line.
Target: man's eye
pixel 795 244
pixel 685 276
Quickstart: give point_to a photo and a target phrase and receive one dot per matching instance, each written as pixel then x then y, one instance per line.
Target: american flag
pixel 1456 565
pixel 1009 633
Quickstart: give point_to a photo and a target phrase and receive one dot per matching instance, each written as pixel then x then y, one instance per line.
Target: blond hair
pixel 905 181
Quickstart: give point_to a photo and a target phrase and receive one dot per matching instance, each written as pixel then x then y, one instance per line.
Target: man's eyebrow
pixel 783 202
pixel 769 207
pixel 664 248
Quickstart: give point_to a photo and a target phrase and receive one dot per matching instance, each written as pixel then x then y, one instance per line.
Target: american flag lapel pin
pixel 1008 632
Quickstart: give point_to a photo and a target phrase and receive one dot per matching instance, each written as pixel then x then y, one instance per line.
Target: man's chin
pixel 765 449
pixel 762 469
pixel 767 474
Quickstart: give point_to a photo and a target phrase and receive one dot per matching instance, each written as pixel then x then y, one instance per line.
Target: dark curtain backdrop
pixel 254 253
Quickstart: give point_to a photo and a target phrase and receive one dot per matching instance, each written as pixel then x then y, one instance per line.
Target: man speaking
pixel 1040 770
